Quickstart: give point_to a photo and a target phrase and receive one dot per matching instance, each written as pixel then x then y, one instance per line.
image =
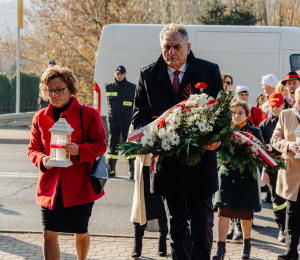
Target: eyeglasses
pixel 238 114
pixel 228 83
pixel 58 91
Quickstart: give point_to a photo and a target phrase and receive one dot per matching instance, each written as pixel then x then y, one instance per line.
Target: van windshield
pixel 295 62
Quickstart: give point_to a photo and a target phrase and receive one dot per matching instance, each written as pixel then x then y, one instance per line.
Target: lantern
pixel 297 133
pixel 60 135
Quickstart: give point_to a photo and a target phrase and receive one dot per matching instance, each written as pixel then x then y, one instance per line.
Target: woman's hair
pixel 297 93
pixel 242 104
pixel 224 75
pixel 279 87
pixel 58 72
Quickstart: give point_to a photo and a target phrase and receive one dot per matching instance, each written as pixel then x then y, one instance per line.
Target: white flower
pixel 210 98
pixel 177 112
pixel 175 139
pixel 209 128
pixel 197 117
pixel 162 133
pixel 168 118
pixel 269 147
pixel 201 126
pixel 165 145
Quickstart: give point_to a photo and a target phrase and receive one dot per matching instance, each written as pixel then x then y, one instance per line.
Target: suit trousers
pixel 190 222
pixel 114 139
pixel 292 223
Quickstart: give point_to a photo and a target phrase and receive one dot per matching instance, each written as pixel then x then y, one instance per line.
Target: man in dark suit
pixel 186 190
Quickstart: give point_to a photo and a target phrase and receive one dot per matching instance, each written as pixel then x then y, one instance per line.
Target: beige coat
pixel 138 210
pixel 288 181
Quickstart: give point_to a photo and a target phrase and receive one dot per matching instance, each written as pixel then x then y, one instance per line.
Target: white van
pixel 245 52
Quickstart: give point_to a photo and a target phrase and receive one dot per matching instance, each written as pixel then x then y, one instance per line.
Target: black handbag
pixel 99 173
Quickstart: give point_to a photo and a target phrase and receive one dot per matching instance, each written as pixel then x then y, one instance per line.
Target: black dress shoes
pixel 221 251
pixel 289 255
pixel 162 243
pixel 246 249
pixel 137 247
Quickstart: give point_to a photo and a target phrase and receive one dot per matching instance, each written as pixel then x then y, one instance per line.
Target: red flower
pixel 250 152
pixel 181 105
pixel 162 123
pixel 201 85
pixel 232 137
pixel 261 160
pixel 255 153
pixel 251 137
pixel 279 157
pixel 272 155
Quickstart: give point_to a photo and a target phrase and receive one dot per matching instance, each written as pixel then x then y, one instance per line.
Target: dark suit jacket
pixel 154 95
pixel 287 104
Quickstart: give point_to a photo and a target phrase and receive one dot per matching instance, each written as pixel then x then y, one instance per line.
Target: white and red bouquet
pixel 185 130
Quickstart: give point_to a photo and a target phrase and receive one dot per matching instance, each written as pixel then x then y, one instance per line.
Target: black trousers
pixel 190 224
pixel 292 223
pixel 114 133
pixel 279 203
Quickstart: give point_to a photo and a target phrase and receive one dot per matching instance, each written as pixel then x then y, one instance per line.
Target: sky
pixel 8 16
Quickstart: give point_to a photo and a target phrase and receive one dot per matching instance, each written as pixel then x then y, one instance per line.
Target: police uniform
pixel 120 97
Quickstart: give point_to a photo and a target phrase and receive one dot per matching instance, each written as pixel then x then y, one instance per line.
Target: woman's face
pixel 227 81
pixel 284 92
pixel 244 97
pixel 58 92
pixel 238 115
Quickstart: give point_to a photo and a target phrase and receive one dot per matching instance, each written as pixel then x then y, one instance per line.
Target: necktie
pixel 176 82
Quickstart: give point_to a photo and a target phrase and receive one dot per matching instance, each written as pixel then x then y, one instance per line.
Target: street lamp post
pixel 20 26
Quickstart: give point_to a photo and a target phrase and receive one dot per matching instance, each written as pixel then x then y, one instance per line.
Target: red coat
pixel 256 116
pixel 75 184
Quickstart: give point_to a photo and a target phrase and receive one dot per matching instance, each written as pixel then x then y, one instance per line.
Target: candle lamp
pixel 60 135
pixel 297 133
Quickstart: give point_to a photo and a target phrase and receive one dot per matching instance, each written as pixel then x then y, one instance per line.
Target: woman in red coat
pixel 65 195
pixel 256 114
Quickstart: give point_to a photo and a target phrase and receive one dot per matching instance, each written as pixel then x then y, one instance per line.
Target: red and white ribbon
pixel 255 145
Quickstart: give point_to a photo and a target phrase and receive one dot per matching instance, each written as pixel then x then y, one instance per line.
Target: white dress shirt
pixel 182 70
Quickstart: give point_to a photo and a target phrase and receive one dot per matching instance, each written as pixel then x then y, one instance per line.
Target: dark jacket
pixel 154 95
pixel 240 189
pixel 120 97
pixel 267 128
pixel 287 103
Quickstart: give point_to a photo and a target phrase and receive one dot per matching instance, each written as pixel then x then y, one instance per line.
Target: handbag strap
pixel 82 132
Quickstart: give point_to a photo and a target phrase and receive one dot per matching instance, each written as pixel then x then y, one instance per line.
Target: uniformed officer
pixel 120 96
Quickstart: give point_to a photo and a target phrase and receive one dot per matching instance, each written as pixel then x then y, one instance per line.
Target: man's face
pixel 267 89
pixel 276 110
pixel 292 85
pixel 244 96
pixel 119 76
pixel 175 50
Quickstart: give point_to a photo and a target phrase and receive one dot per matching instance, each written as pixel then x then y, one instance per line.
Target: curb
pixel 257 243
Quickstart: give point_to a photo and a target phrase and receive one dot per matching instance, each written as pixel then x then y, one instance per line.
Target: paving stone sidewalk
pixel 29 246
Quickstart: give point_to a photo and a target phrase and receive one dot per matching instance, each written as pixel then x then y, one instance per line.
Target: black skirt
pixel 73 219
pixel 155 209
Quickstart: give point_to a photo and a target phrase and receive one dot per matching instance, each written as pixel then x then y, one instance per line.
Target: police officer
pixel 120 96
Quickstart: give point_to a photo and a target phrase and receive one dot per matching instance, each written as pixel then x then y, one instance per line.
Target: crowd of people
pixel 177 199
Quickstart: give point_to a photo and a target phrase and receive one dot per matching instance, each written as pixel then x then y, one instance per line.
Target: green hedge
pixel 4 87
pixel 29 87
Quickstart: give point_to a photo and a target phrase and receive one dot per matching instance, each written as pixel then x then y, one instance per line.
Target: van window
pixel 295 62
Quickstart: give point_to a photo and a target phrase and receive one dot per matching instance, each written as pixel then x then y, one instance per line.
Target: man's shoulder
pixel 265 122
pixel 206 63
pixel 109 85
pixel 148 67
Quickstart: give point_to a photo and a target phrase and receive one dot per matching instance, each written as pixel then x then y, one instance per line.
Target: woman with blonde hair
pixel 288 181
pixel 282 89
pixel 66 195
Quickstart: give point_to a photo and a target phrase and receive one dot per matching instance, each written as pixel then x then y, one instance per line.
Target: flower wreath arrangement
pixel 184 130
pixel 244 150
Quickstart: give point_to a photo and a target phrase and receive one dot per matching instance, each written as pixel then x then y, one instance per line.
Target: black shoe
pixel 281 236
pixel 289 255
pixel 137 247
pixel 162 243
pixel 238 231
pixel 268 197
pixel 246 249
pixel 131 168
pixel 221 251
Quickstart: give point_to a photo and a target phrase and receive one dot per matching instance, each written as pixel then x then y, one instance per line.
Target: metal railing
pixel 16 119
pixel 7 107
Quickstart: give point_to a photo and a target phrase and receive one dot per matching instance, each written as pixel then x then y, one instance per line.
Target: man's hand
pixel 72 149
pixel 213 146
pixel 293 147
pixel 45 160
pixel 266 178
